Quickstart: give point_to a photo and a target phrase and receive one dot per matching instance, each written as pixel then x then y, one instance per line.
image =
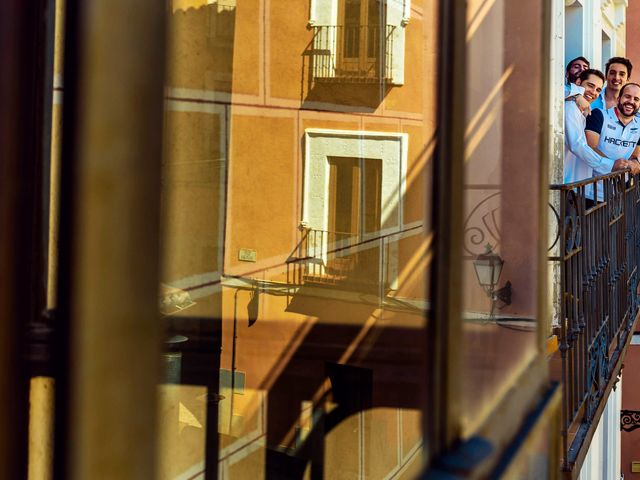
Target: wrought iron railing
pixel 325 257
pixel 598 251
pixel 345 259
pixel 354 53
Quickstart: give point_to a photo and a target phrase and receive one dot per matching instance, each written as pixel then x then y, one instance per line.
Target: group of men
pixel 602 123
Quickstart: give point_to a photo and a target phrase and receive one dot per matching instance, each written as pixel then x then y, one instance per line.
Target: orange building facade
pixel 295 214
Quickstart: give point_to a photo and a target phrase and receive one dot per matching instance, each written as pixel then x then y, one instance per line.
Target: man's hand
pixel 583 105
pixel 621 164
pixel 634 165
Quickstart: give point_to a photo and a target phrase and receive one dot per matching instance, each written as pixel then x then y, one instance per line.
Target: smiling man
pixel 580 160
pixel 572 91
pixel 574 68
pixel 618 72
pixel 615 132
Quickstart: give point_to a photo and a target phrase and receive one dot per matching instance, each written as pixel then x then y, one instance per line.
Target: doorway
pixel 359 37
pixel 355 193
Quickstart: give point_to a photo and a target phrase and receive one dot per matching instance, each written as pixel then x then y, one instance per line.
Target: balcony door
pixel 355 192
pixel 359 37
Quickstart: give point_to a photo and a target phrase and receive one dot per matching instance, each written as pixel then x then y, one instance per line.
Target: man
pixel 572 91
pixel 615 132
pixel 574 68
pixel 580 160
pixel 618 72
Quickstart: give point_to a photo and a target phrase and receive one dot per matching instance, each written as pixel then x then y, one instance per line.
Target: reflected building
pixel 297 148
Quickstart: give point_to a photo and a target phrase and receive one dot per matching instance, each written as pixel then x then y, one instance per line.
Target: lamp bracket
pixel 503 295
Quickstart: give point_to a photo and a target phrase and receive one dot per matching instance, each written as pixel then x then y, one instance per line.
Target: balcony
pixel 597 248
pixel 353 53
pixel 350 262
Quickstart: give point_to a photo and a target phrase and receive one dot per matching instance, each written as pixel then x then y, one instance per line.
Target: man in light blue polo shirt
pixel 615 132
pixel 618 72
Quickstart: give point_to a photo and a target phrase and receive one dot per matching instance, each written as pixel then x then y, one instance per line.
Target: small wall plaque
pixel 247 255
pixel 635 467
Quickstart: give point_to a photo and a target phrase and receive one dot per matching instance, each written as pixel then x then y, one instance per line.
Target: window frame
pixel 531 390
pixel 320 144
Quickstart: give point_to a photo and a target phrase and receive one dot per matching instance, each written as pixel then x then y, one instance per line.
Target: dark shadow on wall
pixel 383 369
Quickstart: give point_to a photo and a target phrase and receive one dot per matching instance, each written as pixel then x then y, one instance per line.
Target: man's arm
pixel 577 143
pixel 593 128
pixel 592 140
pixel 583 105
pixel 592 132
pixel 575 93
pixel 634 161
pixel 572 90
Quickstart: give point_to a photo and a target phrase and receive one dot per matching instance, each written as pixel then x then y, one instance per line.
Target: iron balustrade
pixel 597 249
pixel 353 53
pixel 347 260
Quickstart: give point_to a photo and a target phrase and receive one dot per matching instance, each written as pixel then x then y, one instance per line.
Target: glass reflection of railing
pixel 330 255
pixel 599 259
pixel 353 53
pixel 348 260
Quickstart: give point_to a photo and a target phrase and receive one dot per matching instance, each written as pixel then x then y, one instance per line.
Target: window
pixel 573 25
pixel 266 373
pixel 354 194
pixel 359 35
pixel 353 191
pixel 359 40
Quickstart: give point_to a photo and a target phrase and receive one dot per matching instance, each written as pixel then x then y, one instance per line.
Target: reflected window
pixel 354 195
pixel 353 201
pixel 359 40
pixel 289 264
pixel 359 37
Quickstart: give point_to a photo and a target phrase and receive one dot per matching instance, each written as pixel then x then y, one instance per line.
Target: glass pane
pixel 372 194
pixel 352 12
pixel 502 175
pixel 373 13
pixel 352 28
pixel 374 25
pixel 296 242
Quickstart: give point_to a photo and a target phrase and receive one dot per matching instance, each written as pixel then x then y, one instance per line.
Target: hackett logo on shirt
pixel 612 127
pixel 619 143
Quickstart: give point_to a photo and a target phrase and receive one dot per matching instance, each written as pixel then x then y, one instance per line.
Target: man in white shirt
pixel 580 160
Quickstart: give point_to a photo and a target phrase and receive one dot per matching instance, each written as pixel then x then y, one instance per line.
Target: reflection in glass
pixel 296 249
pixel 502 161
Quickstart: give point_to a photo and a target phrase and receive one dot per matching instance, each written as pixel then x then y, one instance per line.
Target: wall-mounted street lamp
pixel 488 267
